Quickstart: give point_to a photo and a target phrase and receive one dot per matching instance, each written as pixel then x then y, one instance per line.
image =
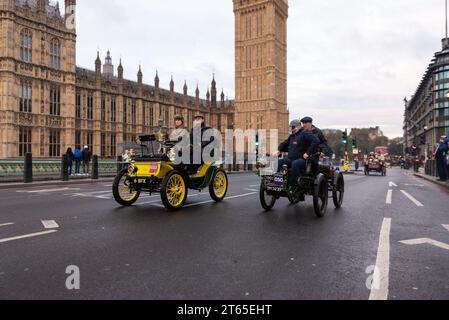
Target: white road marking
pixel 252 190
pixel 255 185
pixel 392 184
pixel 446 226
pixel 389 196
pixel 48 190
pixel 227 198
pixel 31 235
pixel 412 185
pixel 382 269
pixel 412 199
pixel 6 224
pixel 432 242
pixel 50 224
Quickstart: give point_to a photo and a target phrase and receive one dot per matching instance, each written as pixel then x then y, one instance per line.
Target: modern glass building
pixel 427 113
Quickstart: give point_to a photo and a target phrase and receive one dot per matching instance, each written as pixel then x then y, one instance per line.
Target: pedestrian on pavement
pixel 70 158
pixel 441 160
pixel 77 161
pixel 86 157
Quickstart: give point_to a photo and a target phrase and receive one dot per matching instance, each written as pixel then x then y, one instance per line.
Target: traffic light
pixel 257 140
pixel 354 143
pixel 344 138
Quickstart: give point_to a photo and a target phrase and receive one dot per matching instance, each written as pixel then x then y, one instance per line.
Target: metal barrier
pixel 29 169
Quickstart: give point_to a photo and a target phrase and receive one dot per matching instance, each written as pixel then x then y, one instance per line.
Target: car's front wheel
pixel 123 189
pixel 266 200
pixel 174 191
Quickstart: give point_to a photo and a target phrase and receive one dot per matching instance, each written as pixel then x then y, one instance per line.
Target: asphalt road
pixel 230 250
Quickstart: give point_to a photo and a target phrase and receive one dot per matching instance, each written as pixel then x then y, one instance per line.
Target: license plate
pixel 275 183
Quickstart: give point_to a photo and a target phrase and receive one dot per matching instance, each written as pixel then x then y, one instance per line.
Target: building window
pixel 24 141
pixel 103 145
pixel 55 54
pixel 26 94
pixel 133 113
pixel 55 101
pixel 78 139
pixel 90 107
pixel 113 146
pixel 125 112
pixel 103 108
pixel 89 140
pixel 167 117
pixel 151 116
pixel 78 106
pixel 54 143
pixel 113 109
pixel 26 46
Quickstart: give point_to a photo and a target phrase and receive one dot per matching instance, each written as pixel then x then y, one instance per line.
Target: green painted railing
pixel 50 167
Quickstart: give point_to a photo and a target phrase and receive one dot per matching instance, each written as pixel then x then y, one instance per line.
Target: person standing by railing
pixel 70 157
pixel 77 157
pixel 86 157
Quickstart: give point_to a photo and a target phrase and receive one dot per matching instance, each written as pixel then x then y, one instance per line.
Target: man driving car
pixel 301 144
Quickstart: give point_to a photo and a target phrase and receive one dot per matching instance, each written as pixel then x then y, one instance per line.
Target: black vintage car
pixel 319 179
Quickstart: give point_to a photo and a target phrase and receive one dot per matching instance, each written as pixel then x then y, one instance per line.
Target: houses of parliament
pixel 47 103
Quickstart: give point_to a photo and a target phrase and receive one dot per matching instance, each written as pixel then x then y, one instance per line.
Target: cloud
pixel 350 62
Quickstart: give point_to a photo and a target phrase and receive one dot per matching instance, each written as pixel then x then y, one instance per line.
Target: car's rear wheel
pixel 219 186
pixel 123 190
pixel 266 200
pixel 338 191
pixel 320 196
pixel 174 191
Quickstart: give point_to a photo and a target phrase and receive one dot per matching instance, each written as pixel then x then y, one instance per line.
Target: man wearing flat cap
pixel 324 147
pixel 200 128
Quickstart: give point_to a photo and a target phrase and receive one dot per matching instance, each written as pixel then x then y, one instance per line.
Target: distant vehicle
pixel 385 152
pixel 382 150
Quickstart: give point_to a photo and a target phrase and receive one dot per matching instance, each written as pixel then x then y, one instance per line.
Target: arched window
pixel 26 45
pixel 55 54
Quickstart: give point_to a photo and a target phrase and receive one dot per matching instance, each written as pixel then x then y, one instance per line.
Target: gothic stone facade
pixel 261 64
pixel 48 104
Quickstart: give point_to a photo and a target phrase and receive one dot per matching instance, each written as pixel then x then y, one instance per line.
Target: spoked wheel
pixel 267 201
pixel 219 186
pixel 174 191
pixel 320 196
pixel 123 190
pixel 339 191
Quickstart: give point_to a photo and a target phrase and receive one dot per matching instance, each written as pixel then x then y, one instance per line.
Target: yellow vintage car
pixel 154 171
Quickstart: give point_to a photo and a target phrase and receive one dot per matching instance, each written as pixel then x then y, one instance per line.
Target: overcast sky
pixel 350 62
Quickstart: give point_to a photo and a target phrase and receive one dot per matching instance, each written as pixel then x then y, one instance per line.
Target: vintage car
pixel 373 164
pixel 154 170
pixel 317 180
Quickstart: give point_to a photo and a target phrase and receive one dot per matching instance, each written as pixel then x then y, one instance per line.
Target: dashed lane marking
pixel 412 199
pixel 382 270
pixel 389 197
pixel 227 198
pixel 446 226
pixel 6 224
pixel 48 190
pixel 25 236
